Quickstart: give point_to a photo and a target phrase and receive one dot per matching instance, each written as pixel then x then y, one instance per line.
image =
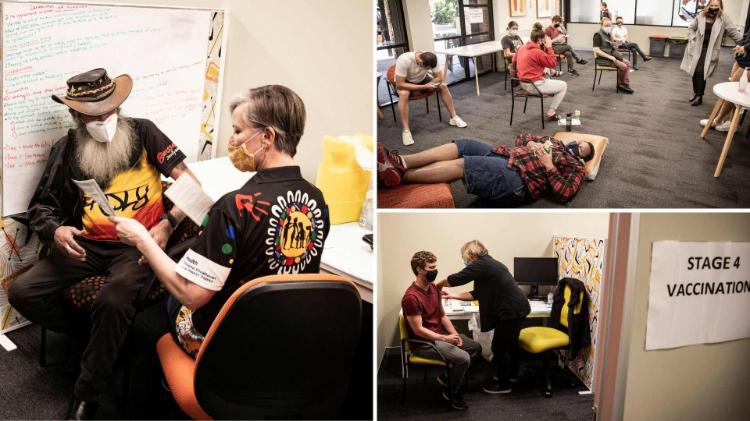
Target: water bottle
pixel 569 122
pixel 743 81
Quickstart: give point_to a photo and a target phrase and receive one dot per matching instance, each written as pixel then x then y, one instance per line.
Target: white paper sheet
pixel 188 195
pixel 91 188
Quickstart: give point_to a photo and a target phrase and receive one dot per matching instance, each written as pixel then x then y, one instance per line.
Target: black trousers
pixel 147 398
pixel 636 50
pixel 38 296
pixel 505 351
pixel 699 79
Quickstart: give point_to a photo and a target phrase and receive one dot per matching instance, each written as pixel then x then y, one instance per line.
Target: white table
pixel 471 51
pixel 451 308
pixel 344 253
pixel 727 91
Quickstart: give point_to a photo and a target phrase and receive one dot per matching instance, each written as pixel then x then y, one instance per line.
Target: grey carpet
pixel 655 158
pixel 526 402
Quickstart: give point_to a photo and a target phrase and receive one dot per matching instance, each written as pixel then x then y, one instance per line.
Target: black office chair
pixel 517 91
pixel 282 347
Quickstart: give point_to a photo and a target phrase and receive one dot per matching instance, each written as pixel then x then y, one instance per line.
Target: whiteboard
pixel 163 49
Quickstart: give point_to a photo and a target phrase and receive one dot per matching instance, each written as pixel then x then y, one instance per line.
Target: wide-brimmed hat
pixel 94 93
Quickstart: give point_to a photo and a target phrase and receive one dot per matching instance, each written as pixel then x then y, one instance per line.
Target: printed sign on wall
pixel 699 293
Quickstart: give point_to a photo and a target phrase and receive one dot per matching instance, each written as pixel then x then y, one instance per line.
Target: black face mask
pixel 431 275
pixel 573 148
pixel 713 11
pixel 557 25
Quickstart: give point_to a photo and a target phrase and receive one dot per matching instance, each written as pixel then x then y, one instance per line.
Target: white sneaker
pixel 456 121
pixel 723 127
pixel 705 121
pixel 406 138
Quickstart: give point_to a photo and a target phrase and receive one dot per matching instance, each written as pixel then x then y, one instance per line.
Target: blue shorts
pixel 487 175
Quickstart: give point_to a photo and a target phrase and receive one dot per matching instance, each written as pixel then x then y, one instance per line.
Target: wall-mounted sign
pixel 699 293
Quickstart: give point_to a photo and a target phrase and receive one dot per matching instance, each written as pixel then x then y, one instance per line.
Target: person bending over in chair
pixel 275 224
pixel 531 61
pixel 605 48
pixel 558 34
pixel 126 157
pixel 416 71
pixel 508 176
pixel 620 37
pixel 502 308
pixel 427 321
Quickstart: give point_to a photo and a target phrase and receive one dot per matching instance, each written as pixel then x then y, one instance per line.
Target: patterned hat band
pixel 83 94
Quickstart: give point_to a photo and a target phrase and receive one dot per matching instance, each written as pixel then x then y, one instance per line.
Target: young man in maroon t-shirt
pixel 427 321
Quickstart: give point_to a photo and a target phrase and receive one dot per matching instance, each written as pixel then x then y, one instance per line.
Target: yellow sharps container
pixel 342 179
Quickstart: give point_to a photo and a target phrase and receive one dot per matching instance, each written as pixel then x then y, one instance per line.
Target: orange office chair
pixel 390 78
pixel 282 346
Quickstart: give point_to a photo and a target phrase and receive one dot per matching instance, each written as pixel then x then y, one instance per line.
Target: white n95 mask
pixel 103 131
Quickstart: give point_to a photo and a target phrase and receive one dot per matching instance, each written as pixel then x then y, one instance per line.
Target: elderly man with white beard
pixel 126 157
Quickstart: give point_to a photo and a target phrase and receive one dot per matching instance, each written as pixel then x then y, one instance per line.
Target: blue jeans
pixel 487 175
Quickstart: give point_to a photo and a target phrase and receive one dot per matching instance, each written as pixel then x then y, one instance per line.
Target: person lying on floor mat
pixel 507 176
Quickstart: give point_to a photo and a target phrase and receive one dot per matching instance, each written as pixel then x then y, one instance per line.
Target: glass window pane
pixel 685 11
pixel 585 11
pixel 477 20
pixel 654 13
pixel 468 2
pixel 624 8
pixel 445 18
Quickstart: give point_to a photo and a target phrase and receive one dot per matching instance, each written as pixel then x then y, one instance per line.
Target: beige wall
pixel 506 235
pixel 698 382
pixel 419 25
pixel 322 49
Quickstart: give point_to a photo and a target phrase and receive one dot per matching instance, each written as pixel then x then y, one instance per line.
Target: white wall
pixel 419 25
pixel 506 235
pixel 322 49
pixel 581 34
pixel 698 382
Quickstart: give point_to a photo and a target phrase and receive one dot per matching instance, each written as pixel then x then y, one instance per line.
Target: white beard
pixel 103 161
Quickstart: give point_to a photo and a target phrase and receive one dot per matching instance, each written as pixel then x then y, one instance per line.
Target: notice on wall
pixel 699 293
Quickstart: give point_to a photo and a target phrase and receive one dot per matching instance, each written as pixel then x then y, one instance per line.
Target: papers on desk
pixel 188 195
pixel 540 306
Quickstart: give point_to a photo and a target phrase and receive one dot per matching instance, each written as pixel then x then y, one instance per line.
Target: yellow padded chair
pixel 408 358
pixel 540 339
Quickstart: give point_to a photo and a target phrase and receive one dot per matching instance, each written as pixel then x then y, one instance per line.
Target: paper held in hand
pixel 91 188
pixel 188 195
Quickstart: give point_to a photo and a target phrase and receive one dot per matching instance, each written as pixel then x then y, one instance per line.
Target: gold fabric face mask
pixel 241 158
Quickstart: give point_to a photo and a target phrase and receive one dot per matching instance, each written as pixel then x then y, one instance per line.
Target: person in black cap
pixel 126 157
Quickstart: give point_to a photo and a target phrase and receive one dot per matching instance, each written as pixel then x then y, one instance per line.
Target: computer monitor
pixel 535 271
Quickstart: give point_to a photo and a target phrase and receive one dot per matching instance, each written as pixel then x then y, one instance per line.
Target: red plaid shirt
pixel 564 181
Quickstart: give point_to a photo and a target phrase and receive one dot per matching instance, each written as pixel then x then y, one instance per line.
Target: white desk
pixel 471 51
pixel 451 308
pixel 344 253
pixel 727 91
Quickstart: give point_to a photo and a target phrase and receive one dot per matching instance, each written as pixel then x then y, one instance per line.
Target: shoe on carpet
pixel 456 401
pixel 625 88
pixel 497 388
pixel 723 127
pixel 705 121
pixel 456 121
pixel 82 410
pixel 647 58
pixel 406 138
pixel 697 101
pixel 390 167
pixel 574 72
pixel 581 61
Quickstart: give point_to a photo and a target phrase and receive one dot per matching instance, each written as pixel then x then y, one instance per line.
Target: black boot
pixel 695 96
pixel 697 101
pixel 82 410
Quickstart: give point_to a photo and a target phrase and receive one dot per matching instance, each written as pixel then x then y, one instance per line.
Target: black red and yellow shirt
pixel 276 223
pixel 135 192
